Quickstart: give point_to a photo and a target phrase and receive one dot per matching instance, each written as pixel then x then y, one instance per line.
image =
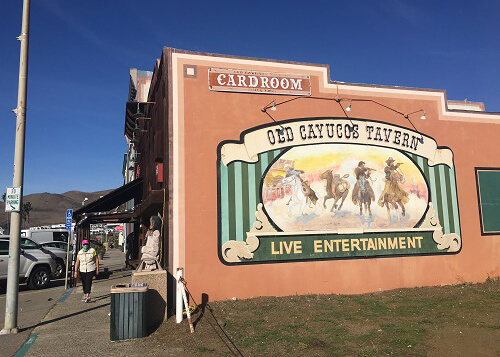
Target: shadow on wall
pixel 171 284
pixel 155 310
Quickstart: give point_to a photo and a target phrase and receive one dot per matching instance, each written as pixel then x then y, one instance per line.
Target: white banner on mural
pixel 318 131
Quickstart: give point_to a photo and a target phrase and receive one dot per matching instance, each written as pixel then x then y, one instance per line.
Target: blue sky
pixel 81 52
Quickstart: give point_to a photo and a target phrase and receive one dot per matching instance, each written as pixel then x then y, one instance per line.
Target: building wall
pixel 203 119
pixel 140 81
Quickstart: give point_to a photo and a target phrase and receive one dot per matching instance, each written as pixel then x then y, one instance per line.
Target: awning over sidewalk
pixel 102 206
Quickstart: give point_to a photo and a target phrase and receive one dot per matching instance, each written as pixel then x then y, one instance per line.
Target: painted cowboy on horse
pixel 393 194
pixel 309 193
pixel 362 193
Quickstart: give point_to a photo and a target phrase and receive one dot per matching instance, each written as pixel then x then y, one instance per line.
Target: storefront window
pixel 488 190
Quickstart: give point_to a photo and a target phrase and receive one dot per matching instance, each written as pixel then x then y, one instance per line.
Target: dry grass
pixel 461 320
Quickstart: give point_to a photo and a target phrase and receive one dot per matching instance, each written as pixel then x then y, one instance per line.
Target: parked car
pixel 58 251
pixel 45 235
pixel 36 266
pixel 56 235
pixel 55 244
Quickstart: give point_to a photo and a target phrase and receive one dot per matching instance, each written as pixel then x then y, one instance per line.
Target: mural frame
pixel 278 229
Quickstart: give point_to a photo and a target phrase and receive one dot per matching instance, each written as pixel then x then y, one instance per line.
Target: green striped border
pixel 240 185
pixel 442 184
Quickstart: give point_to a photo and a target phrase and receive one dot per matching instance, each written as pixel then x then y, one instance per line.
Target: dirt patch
pixel 461 320
pixel 466 341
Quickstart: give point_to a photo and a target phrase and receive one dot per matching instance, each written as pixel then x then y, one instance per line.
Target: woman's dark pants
pixel 87 281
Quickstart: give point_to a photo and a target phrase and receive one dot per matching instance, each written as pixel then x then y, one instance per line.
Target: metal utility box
pixel 128 311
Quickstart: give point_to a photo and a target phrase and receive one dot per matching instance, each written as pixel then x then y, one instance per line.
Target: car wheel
pixel 39 278
pixel 60 270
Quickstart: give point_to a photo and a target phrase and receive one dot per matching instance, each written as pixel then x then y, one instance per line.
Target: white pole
pixel 178 296
pixel 12 296
pixel 188 314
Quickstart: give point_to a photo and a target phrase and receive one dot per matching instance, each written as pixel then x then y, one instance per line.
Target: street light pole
pixel 11 301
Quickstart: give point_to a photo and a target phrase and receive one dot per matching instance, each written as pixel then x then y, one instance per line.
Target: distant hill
pixel 50 208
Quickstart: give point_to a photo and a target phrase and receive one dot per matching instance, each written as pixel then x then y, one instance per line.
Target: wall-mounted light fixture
pixel 273 106
pixel 139 114
pixel 137 128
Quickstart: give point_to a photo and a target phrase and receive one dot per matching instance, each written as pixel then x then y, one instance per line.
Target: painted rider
pixel 306 188
pixel 389 169
pixel 290 171
pixel 362 186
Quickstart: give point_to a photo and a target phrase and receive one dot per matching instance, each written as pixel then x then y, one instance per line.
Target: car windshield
pixel 28 244
pixel 4 247
pixel 60 236
pixel 60 245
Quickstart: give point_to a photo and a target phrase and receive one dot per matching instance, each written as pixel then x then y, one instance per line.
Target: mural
pixel 325 187
pixel 316 189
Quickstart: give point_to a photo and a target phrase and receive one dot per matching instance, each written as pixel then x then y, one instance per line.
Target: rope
pixel 239 354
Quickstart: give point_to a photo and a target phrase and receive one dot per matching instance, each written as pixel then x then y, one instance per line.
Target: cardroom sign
pixel 233 80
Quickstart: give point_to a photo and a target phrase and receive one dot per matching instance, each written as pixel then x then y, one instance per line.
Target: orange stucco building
pixel 278 181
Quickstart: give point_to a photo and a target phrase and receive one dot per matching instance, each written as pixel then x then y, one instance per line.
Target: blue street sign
pixel 69 219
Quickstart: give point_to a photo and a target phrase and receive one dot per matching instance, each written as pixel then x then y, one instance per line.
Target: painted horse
pixel 394 196
pixel 363 195
pixel 336 187
pixel 298 197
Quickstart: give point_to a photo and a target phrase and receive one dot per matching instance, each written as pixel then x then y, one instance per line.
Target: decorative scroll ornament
pixel 234 251
pixel 451 241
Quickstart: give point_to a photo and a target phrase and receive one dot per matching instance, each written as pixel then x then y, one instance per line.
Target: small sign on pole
pixel 13 199
pixel 69 219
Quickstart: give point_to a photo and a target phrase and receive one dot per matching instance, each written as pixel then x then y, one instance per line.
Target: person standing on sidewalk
pixel 87 263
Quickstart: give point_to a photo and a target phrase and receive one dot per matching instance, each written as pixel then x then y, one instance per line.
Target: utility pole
pixel 11 301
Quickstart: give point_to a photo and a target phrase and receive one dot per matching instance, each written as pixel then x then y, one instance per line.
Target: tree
pixel 3 197
pixel 25 211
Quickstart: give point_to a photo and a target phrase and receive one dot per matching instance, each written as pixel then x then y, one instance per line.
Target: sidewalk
pixel 76 328
pixel 33 306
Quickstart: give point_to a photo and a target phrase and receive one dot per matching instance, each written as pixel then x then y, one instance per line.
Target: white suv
pixel 58 251
pixel 35 265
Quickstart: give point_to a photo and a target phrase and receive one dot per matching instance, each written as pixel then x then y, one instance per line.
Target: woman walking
pixel 87 263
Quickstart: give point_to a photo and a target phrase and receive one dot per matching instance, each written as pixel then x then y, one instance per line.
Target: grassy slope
pixel 460 320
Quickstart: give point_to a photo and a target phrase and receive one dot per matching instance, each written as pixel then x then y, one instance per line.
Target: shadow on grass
pixel 202 307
